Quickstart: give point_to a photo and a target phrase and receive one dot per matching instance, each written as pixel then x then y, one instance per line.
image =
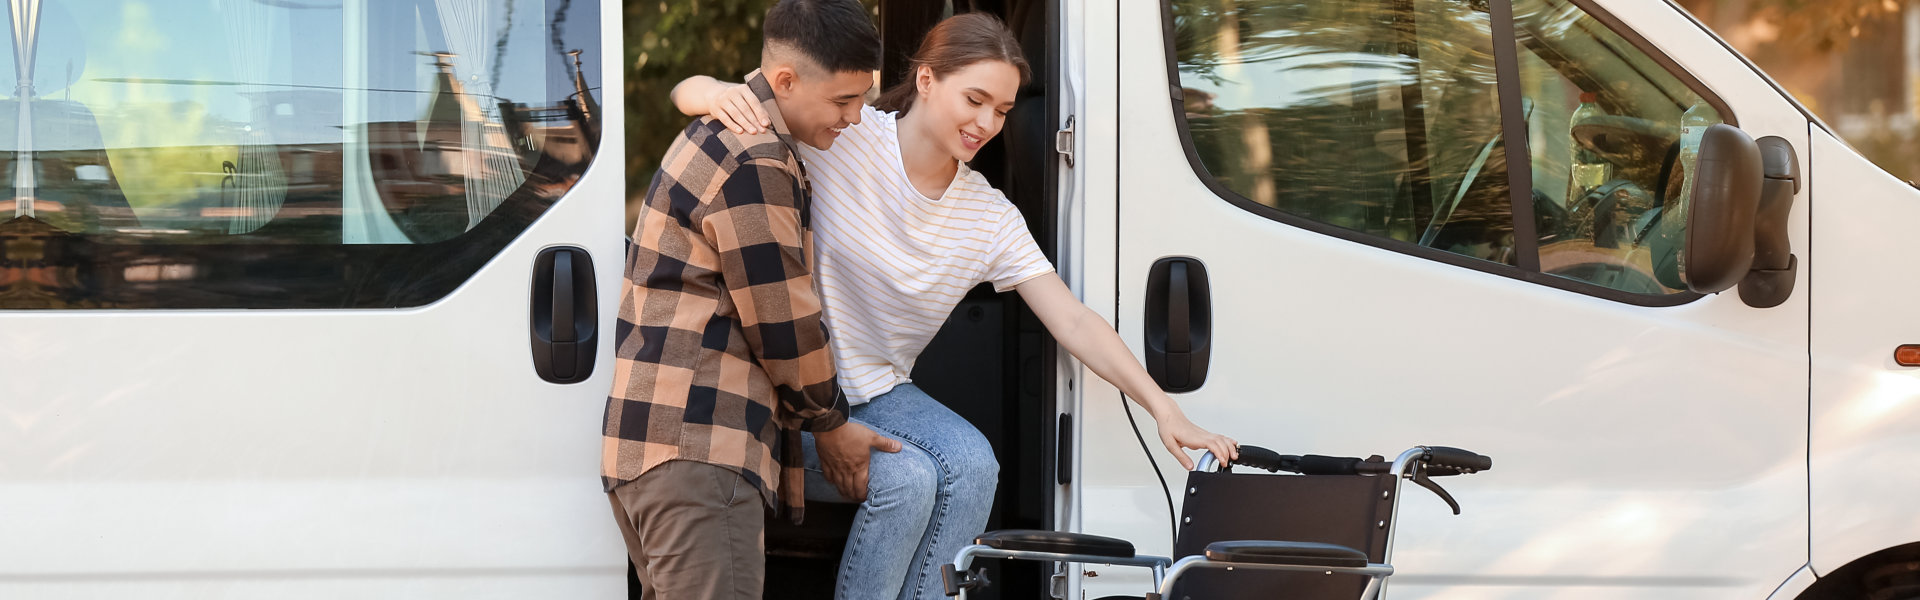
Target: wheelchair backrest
pixel 1349 510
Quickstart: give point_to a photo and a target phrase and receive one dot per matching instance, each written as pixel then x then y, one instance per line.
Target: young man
pixel 721 355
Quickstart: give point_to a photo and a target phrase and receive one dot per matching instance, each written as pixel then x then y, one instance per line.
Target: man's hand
pixel 844 454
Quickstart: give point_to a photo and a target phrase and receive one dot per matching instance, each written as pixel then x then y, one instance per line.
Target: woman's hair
pixel 954 44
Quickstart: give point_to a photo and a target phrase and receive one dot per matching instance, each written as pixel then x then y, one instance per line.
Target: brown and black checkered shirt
pixel 721 356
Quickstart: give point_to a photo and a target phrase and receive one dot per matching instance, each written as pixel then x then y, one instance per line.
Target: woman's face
pixel 968 106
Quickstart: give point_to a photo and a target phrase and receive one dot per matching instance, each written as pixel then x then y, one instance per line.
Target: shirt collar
pixel 763 90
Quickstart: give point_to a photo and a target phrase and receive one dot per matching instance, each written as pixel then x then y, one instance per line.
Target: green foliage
pixel 668 41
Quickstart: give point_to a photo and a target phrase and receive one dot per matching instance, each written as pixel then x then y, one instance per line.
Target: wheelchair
pixel 1332 537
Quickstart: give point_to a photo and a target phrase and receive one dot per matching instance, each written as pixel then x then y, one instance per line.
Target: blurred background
pixel 670 40
pixel 1855 63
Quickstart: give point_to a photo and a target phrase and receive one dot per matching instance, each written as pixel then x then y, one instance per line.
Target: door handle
pixel 564 316
pixel 1179 323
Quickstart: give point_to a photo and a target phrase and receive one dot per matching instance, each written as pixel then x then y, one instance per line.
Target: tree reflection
pixel 1378 117
pixel 1854 63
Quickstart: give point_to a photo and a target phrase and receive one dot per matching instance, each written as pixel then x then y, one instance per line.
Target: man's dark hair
pixel 837 35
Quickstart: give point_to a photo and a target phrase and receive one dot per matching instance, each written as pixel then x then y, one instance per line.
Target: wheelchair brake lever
pixel 1420 477
pixel 955 580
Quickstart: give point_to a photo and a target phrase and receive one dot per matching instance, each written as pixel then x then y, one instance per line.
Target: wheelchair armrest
pixel 1059 542
pixel 1286 553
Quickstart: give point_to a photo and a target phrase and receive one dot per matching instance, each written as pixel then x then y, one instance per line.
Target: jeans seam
pixel 852 551
pixel 943 502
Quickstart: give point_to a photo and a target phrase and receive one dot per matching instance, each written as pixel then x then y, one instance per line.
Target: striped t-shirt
pixel 891 263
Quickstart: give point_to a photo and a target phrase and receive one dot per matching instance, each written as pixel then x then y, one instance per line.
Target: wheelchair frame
pixel 1247 554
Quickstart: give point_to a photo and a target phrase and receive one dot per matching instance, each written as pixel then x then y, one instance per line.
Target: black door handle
pixel 1179 320
pixel 564 315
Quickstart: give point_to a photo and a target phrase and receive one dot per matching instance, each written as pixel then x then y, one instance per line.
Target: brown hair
pixel 954 44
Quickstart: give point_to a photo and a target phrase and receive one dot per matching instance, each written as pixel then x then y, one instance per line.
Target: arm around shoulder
pixel 732 103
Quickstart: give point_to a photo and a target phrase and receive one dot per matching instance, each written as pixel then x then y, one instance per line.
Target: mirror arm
pixel 1771 280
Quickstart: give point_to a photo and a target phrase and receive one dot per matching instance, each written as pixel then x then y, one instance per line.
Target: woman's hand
pixel 736 107
pixel 1177 432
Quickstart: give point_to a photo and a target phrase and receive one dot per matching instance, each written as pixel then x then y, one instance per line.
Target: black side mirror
pixel 1770 282
pixel 1719 245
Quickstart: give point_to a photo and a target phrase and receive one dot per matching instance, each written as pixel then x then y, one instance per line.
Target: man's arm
pixel 756 230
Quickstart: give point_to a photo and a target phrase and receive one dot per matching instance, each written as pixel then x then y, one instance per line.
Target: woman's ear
pixel 923 79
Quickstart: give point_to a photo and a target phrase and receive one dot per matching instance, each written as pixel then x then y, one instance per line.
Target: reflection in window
pixel 1377 116
pixel 144 132
pixel 197 110
pixel 1607 133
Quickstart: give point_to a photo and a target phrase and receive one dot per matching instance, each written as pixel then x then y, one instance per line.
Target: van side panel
pixel 1642 451
pixel 1865 408
pixel 318 454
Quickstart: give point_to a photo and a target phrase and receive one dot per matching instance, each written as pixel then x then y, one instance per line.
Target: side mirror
pixel 1774 265
pixel 1719 245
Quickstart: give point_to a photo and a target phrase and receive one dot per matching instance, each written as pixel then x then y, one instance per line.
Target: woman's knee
pixel 974 466
pixel 909 477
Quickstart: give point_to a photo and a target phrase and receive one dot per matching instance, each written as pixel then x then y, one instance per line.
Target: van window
pixel 248 154
pixel 1376 117
pixel 1609 166
pixel 1383 118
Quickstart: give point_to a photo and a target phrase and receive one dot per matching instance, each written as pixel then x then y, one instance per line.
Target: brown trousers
pixel 694 531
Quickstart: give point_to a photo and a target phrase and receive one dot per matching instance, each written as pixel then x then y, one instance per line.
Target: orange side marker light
pixel 1908 355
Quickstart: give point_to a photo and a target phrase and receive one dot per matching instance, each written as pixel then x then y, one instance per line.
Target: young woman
pixel 902 230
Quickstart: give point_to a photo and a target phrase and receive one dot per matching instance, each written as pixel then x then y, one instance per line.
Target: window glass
pixel 1380 117
pixel 1607 131
pixel 283 154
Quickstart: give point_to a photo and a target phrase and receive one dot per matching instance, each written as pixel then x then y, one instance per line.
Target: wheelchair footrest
pixel 1059 542
pixel 1286 553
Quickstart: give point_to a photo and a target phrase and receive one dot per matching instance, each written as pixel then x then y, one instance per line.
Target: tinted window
pixel 1610 161
pixel 1378 117
pixel 310 154
pixel 1383 117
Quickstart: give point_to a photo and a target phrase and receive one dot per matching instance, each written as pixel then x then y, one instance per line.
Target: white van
pixel 279 285
pixel 313 298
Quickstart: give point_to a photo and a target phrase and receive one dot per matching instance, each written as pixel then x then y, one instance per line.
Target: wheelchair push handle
pixel 1444 461
pixel 1274 462
pixel 1261 458
pixel 1433 461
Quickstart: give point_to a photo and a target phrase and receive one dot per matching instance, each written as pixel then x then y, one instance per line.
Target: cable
pixel 1173 530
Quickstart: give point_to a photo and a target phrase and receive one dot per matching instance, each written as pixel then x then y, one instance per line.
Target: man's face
pixel 817 104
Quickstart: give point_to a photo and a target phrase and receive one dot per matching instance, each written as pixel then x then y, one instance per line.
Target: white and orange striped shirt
pixel 892 263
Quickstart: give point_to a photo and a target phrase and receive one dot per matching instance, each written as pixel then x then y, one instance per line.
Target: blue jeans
pixel 923 503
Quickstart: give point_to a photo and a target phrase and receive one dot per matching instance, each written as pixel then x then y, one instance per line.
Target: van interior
pixel 991 363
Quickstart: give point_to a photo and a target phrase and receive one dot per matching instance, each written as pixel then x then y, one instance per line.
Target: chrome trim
pixel 1208 462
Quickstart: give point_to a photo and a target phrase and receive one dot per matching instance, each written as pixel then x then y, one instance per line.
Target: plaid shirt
pixel 721 356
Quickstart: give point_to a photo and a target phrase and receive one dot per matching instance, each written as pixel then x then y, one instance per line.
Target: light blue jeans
pixel 923 503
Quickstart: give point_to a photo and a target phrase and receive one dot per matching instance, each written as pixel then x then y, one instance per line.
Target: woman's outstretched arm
pixel 1092 340
pixel 732 103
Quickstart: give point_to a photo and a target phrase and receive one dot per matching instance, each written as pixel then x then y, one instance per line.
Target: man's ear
pixel 783 79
